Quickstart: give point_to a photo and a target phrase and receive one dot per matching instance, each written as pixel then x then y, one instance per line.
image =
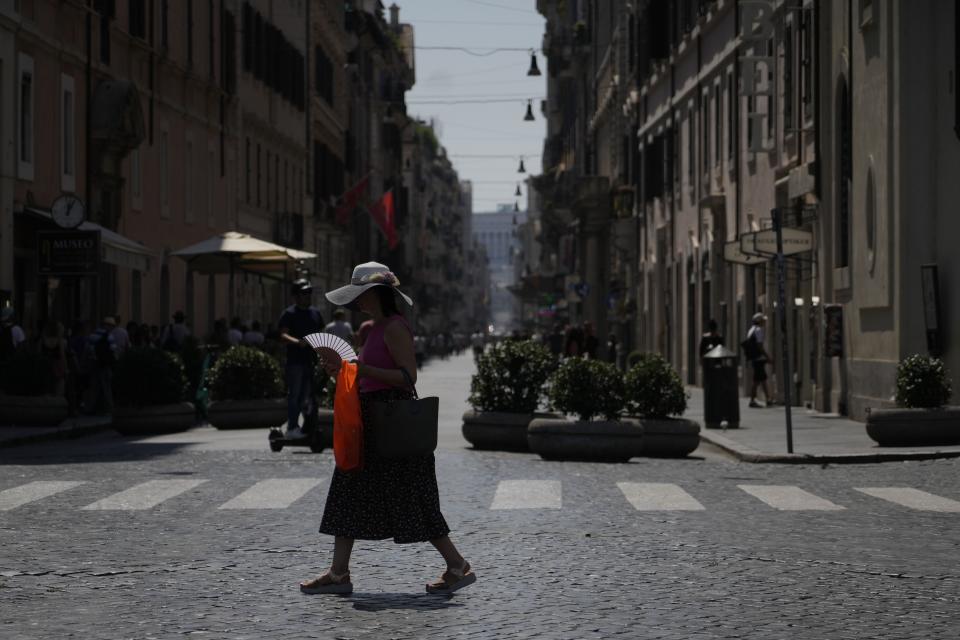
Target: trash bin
pixel 721 392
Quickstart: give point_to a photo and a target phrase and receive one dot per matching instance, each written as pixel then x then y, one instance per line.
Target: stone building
pixel 691 121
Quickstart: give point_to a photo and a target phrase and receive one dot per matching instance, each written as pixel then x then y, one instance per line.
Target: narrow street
pixel 207 534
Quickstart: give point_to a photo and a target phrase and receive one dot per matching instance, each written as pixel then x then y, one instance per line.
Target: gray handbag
pixel 405 428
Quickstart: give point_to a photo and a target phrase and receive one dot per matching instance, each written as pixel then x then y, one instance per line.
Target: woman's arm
pixel 400 344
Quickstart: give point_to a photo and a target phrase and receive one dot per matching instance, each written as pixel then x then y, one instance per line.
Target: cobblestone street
pixel 206 534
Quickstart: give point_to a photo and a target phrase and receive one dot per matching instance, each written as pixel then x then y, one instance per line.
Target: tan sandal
pixel 328 583
pixel 453 579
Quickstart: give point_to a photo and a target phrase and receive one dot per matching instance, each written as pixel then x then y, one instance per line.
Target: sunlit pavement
pixel 207 533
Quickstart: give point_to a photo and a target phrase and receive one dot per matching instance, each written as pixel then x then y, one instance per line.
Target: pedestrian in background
pixel 340 327
pixel 477 340
pixel 121 337
pixel 394 498
pixel 590 341
pixel 710 339
pixel 235 334
pixel 11 335
pixel 573 346
pixel 53 347
pixel 612 348
pixel 254 337
pixel 100 356
pixel 758 357
pixel 298 320
pixel 174 334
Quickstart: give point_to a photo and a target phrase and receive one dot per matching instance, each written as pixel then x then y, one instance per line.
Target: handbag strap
pixel 406 376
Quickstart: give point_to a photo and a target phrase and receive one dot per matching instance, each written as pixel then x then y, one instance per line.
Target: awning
pixel 231 250
pixel 115 249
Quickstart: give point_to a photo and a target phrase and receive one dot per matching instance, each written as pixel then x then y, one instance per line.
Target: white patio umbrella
pixel 230 251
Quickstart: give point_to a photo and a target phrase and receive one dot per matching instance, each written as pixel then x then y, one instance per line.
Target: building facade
pixel 496 232
pixel 677 128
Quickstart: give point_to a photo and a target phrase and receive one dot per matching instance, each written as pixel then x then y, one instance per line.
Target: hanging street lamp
pixel 522 169
pixel 518 192
pixel 534 69
pixel 529 116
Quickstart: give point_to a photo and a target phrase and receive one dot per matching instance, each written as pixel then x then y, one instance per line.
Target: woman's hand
pixel 330 360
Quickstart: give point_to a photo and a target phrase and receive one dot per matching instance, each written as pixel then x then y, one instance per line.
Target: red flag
pixel 350 199
pixel 383 214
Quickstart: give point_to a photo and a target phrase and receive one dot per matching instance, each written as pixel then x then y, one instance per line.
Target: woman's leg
pixel 342 548
pixel 449 552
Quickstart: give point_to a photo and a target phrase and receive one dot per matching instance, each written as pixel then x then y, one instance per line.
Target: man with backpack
pixel 100 356
pixel 754 351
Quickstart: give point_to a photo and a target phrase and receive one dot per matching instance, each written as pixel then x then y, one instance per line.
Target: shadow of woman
pixel 388 601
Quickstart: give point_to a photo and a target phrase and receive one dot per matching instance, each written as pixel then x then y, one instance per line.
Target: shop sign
pixel 764 243
pixel 68 253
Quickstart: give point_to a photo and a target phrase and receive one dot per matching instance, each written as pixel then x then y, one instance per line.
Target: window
pixel 247 172
pixel 269 183
pixel 866 13
pixel 276 181
pixel 165 24
pixel 705 133
pixel 188 183
pixel 732 103
pixel 189 32
pixel 138 18
pixel 106 15
pixel 845 162
pixel 806 61
pixel 788 93
pixel 211 213
pixel 68 134
pixel 258 175
pixel 164 175
pixel 771 116
pixel 692 147
pixel 717 125
pixel 324 75
pixel 136 295
pixel 26 118
pixel 136 184
pixel 210 38
pixel 286 186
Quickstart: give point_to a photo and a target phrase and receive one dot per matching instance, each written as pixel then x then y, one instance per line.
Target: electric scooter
pixel 317 434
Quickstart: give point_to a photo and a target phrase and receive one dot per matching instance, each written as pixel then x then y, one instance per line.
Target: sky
pixel 480 129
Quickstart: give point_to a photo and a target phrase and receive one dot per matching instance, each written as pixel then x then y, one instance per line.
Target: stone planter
pixel 914 427
pixel 593 440
pixel 668 437
pixel 33 411
pixel 499 431
pixel 152 420
pixel 247 414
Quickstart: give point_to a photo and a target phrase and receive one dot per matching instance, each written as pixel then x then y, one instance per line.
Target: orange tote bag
pixel 347 423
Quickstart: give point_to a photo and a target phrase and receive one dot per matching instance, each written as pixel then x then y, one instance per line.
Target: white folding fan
pixel 335 343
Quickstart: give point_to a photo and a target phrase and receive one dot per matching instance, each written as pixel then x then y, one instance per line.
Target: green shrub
pixel 145 377
pixel 922 382
pixel 245 373
pixel 511 376
pixel 587 388
pixel 27 373
pixel 654 389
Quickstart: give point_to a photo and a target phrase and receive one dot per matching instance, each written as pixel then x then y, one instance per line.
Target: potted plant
pixel 148 390
pixel 922 417
pixel 246 390
pixel 505 393
pixel 593 391
pixel 654 393
pixel 27 400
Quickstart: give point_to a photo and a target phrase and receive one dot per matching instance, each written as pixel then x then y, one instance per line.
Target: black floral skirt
pixel 388 498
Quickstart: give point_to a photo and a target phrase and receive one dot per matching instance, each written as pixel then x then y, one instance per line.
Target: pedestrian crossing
pixel 509 495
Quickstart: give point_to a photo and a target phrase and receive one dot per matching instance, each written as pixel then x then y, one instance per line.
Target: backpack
pixel 750 347
pixel 103 353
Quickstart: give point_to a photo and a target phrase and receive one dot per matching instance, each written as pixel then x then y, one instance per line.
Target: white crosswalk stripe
pixel 658 496
pixel 27 493
pixel 789 498
pixel 145 495
pixel 912 498
pixel 275 493
pixel 527 494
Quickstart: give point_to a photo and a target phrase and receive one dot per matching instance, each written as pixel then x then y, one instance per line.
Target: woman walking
pixel 389 497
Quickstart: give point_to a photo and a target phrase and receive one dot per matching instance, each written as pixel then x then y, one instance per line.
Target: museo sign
pixel 68 253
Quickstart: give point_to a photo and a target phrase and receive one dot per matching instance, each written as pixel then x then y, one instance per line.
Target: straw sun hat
pixel 366 276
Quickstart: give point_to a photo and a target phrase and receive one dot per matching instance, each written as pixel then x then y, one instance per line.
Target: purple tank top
pixel 376 354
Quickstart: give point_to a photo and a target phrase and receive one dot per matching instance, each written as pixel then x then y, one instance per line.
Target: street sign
pixel 732 253
pixel 764 243
pixel 68 253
